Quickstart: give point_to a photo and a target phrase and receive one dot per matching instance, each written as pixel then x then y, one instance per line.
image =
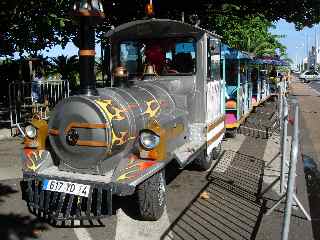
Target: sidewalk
pixel 309 100
pixel 5 133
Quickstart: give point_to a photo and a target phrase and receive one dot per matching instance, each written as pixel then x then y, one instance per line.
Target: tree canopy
pixel 249 33
pixel 35 24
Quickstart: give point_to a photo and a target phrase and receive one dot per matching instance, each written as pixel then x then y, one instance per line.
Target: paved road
pixel 15 218
pixel 225 215
pixel 315 85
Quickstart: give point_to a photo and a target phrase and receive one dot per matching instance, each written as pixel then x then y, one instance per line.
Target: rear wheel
pixel 151 197
pixel 204 161
pixel 231 133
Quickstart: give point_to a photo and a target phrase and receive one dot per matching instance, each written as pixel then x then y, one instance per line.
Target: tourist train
pixel 175 91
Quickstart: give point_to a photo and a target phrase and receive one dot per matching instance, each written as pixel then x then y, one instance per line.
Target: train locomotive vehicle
pixel 238 96
pixel 118 141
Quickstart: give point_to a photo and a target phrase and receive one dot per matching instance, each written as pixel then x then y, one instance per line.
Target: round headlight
pixel 148 139
pixel 31 131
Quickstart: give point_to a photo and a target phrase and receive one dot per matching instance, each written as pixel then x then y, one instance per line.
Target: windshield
pixel 168 56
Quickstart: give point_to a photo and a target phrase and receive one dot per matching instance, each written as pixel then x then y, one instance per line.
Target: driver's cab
pixel 174 56
pixel 184 59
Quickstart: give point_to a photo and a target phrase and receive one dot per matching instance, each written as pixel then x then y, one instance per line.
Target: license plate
pixel 66 187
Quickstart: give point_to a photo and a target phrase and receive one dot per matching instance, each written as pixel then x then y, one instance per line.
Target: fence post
pixel 292 175
pixel 284 134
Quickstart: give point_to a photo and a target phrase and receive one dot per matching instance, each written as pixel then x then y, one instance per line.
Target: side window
pixel 129 56
pixel 243 72
pixel 214 59
pixel 185 57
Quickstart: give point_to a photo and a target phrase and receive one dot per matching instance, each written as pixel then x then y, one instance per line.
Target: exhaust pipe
pixel 90 12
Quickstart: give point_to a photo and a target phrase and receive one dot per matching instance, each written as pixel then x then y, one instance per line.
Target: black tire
pixel 151 197
pixel 216 152
pixel 204 161
pixel 231 133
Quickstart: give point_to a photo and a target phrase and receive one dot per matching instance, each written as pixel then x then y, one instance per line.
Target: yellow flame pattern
pixel 128 175
pixel 35 158
pixel 152 112
pixel 121 140
pixel 118 114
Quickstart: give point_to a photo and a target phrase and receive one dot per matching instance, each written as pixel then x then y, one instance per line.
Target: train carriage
pixel 256 84
pixel 268 80
pixel 237 74
pixel 166 104
pixel 265 84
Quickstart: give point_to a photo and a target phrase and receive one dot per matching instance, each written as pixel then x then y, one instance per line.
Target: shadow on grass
pixel 16 226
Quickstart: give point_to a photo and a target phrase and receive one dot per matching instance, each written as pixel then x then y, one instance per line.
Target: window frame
pixel 143 40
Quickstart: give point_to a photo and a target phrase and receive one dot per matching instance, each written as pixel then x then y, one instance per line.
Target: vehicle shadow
pixel 228 207
pixel 17 226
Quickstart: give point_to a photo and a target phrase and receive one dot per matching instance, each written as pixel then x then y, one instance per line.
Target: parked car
pixel 308 76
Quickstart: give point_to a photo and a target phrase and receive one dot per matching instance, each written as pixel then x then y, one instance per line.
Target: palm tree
pixel 68 68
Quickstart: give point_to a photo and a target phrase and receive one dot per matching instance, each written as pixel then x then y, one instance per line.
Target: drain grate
pixel 231 209
pixel 239 173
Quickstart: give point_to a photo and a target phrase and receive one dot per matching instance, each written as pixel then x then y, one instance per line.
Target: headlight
pixel 31 131
pixel 148 139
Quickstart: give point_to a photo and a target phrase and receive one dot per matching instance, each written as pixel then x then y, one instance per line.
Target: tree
pixel 300 12
pixel 248 33
pixel 68 68
pixel 33 25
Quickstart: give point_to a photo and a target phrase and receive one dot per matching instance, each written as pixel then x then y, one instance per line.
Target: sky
pixel 69 50
pixel 296 41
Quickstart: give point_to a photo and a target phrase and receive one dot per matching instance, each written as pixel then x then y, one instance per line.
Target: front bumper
pixel 63 206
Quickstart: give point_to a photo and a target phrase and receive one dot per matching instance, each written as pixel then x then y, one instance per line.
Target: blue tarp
pixel 270 61
pixel 228 52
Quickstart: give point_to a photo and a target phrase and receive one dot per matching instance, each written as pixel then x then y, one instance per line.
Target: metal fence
pixel 288 165
pixel 27 99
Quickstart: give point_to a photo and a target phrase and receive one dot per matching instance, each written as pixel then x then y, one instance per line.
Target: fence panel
pixel 36 97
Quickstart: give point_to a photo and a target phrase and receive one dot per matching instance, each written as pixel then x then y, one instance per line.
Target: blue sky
pixel 296 41
pixel 69 50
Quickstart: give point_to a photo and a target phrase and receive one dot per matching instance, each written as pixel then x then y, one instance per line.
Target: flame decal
pixel 34 158
pixel 152 112
pixel 118 114
pixel 121 140
pixel 141 165
pixel 134 169
pixel 128 175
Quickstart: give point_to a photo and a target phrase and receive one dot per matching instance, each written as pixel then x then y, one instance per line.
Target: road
pixel 16 220
pixel 315 85
pixel 227 214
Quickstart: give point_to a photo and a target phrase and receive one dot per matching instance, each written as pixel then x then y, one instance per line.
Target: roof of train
pixel 156 28
pixel 231 53
pixel 270 61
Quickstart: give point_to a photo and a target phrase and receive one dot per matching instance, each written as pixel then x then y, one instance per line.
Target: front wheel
pixel 151 197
